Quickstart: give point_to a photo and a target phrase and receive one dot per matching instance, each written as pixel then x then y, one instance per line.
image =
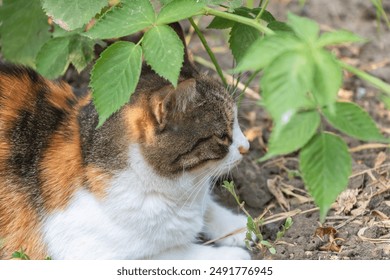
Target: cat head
pixel 189 128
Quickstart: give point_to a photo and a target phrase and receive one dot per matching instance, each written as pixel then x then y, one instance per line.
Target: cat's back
pixel 39 152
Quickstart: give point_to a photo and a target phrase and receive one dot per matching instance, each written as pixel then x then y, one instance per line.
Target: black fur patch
pixel 18 71
pixel 29 138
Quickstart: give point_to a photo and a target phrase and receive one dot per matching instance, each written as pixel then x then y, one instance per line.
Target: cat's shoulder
pixel 23 85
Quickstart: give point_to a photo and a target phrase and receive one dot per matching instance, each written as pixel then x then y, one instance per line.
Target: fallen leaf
pixel 322 231
pixel 346 201
pixel 274 186
pixel 331 246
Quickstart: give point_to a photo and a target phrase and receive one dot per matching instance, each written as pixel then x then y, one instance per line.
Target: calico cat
pixel 135 188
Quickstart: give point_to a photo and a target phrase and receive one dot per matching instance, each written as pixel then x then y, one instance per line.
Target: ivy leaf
pixel 327 77
pixel 122 20
pixel 241 37
pixel 164 52
pixel 289 137
pixel 23 30
pixel 338 37
pixel 72 14
pixel 285 85
pixel 115 77
pixel 52 60
pixel 325 164
pixel 81 52
pixel 354 121
pixel 265 50
pixel 305 28
pixel 178 10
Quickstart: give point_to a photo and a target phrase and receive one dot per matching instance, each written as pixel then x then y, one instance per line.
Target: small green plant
pixel 20 255
pixel 299 82
pixel 254 238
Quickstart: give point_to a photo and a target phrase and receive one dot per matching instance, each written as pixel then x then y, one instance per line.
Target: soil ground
pixel 358 225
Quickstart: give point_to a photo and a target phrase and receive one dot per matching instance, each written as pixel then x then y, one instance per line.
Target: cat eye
pixel 224 137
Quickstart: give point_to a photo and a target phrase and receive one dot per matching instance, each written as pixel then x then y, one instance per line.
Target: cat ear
pixel 188 69
pixel 173 101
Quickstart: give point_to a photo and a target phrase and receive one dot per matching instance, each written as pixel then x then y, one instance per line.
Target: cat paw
pixel 236 222
pixel 234 240
pixel 231 253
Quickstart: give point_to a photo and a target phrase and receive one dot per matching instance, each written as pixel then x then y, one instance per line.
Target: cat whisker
pixel 196 189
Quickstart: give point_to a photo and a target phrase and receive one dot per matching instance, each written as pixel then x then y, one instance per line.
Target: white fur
pixel 146 216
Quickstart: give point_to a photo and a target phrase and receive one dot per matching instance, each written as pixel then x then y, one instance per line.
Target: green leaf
pixel 115 77
pixel 338 37
pixel 305 28
pixel 285 85
pixel 81 52
pixel 272 250
pixel 23 31
pixel 234 4
pixel 59 32
pixel 326 165
pixel 288 223
pixel 52 60
pixel 221 23
pixel 215 2
pixel 264 50
pixel 252 13
pixel 266 16
pixel 327 77
pixel 241 37
pixel 354 121
pixel 178 10
pixel 72 14
pixel 279 26
pixel 250 224
pixel 122 20
pixel 288 137
pixel 266 243
pixel 165 2
pixel 164 52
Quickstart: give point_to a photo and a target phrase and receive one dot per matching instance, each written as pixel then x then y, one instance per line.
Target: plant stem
pixel 262 10
pixel 378 83
pixel 209 51
pixel 240 19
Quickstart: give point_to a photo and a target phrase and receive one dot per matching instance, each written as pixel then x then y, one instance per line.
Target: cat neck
pixel 142 185
pixel 104 147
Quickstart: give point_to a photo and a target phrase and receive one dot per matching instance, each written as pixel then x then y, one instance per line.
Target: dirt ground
pixel 358 225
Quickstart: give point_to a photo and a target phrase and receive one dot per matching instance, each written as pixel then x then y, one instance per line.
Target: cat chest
pixel 123 225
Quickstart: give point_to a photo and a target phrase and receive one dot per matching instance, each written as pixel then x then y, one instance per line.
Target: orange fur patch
pixel 19 225
pixel 141 127
pixel 61 167
pixel 97 180
pixel 16 94
pixel 62 95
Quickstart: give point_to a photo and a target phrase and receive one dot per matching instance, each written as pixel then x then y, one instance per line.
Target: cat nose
pixel 243 150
